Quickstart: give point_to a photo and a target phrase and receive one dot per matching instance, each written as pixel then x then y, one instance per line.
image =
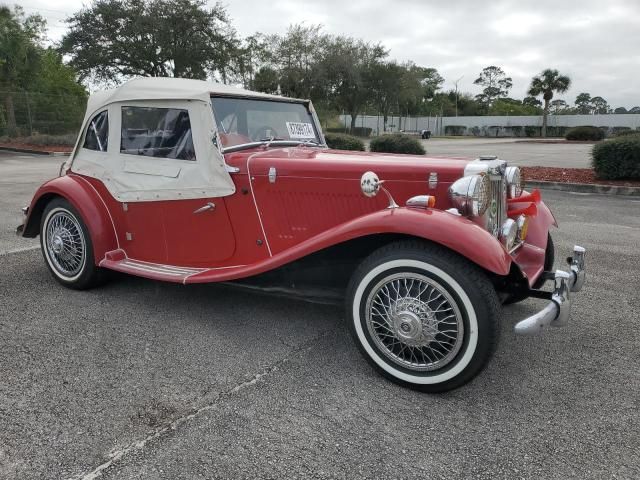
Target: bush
pixel 531 131
pixel 340 141
pixel 560 131
pixel 357 131
pixel 396 143
pixel 625 133
pixel 68 140
pixel 454 129
pixel 585 133
pixel 618 158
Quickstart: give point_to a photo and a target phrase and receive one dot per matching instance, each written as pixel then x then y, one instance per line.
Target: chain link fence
pixel 31 114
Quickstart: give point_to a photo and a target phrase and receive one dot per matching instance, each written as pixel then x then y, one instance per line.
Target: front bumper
pixel 558 311
pixel 20 228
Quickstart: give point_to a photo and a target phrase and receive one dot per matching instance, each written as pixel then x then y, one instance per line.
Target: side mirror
pixel 369 184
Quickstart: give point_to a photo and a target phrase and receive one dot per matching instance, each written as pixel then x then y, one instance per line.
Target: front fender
pixel 452 231
pixel 455 232
pixel 86 200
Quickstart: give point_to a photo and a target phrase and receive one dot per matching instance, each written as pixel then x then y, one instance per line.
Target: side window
pixel 157 132
pixel 97 134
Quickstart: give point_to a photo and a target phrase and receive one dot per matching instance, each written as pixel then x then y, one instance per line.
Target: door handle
pixel 204 208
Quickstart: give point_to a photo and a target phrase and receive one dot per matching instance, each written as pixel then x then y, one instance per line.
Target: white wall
pixel 438 124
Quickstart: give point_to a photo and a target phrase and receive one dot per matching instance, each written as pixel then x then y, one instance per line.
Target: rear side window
pixel 157 132
pixel 97 134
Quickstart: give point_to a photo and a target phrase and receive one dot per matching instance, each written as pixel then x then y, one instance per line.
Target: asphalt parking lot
pixel 141 379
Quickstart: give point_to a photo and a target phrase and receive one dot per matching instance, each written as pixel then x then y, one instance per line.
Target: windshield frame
pixel 243 146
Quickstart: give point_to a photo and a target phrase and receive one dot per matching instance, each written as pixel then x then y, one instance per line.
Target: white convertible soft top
pixel 162 88
pixel 130 177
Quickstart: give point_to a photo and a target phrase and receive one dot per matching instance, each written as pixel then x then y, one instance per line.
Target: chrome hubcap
pixel 414 321
pixel 65 243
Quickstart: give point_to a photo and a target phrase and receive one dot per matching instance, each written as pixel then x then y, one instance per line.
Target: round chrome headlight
pixel 470 195
pixel 514 182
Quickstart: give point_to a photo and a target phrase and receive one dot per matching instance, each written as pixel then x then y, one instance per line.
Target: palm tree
pixel 546 83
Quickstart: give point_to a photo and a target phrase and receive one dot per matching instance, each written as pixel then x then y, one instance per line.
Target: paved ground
pixel 524 154
pixel 166 381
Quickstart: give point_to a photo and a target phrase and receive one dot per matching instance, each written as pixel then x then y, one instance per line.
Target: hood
pixel 314 162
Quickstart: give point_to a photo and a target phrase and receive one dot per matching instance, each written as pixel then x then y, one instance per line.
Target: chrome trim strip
pixel 255 203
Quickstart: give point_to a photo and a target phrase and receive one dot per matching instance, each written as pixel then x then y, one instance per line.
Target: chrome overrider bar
pixel 557 312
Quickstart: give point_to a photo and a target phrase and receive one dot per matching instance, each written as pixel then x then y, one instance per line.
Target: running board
pixel 117 261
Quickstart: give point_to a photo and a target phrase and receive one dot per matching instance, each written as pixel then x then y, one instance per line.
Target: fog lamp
pixel 508 233
pixel 523 227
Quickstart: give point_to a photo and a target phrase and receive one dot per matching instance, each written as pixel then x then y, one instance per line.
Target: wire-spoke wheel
pixel 423 316
pixel 414 321
pixel 66 246
pixel 65 243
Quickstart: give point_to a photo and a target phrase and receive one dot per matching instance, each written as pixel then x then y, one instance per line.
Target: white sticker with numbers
pixel 300 130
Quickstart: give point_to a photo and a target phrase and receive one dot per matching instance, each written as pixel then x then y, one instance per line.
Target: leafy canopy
pixel 112 39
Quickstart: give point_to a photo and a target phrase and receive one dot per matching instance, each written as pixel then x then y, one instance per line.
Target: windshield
pixel 242 121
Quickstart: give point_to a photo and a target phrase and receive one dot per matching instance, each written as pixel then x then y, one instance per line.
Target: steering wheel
pixel 263 132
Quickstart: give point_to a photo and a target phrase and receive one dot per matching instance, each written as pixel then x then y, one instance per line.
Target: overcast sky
pixel 595 42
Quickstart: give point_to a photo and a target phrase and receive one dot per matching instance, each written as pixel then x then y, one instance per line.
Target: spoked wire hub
pixel 414 321
pixel 65 243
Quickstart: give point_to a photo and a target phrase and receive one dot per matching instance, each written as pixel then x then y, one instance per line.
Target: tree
pixel 583 103
pixel 115 39
pixel 346 67
pixel 532 102
pixel 383 79
pixel 265 80
pixel 558 106
pixel 599 105
pixel 545 84
pixel 20 39
pixel 510 106
pixel 495 82
pixel 634 110
pixel 620 110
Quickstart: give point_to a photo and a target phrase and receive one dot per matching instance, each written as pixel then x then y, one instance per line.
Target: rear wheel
pixel 67 248
pixel 423 316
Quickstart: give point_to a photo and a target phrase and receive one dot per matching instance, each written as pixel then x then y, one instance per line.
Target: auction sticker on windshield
pixel 300 130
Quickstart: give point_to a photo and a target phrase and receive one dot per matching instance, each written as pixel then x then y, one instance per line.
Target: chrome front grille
pixel 497 212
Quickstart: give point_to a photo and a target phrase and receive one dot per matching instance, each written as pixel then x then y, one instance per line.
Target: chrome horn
pixel 371 185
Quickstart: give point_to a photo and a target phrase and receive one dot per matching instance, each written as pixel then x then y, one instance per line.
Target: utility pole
pixel 456 84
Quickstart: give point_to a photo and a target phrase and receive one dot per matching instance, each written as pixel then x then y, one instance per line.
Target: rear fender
pixel 86 200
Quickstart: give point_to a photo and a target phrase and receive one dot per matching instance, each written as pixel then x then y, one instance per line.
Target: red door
pixel 194 233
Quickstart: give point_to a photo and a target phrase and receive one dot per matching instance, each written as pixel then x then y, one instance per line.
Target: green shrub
pixel 618 158
pixel 560 131
pixel 585 133
pixel 340 141
pixel 357 131
pixel 454 129
pixel 68 140
pixel 624 133
pixel 532 131
pixel 396 143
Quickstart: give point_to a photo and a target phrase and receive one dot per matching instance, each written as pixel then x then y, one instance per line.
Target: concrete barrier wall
pixel 437 125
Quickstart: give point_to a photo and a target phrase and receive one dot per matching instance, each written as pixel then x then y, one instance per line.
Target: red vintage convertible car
pixel 191 182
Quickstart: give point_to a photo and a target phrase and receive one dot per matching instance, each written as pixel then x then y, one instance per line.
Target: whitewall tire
pixel 66 246
pixel 423 316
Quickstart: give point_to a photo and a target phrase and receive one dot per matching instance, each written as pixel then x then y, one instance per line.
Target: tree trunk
pixel 545 113
pixel 12 128
pixel 354 116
